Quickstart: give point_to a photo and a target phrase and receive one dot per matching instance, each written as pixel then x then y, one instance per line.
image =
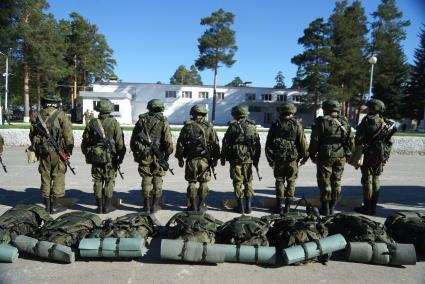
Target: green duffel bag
pixel 407 227
pixel 8 253
pixel 244 230
pixel 112 248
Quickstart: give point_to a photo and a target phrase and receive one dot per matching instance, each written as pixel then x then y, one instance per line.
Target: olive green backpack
pixel 192 226
pixel 21 220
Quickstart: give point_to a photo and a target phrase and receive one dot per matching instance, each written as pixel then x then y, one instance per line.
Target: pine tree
pixel 236 82
pixel 280 81
pixel 181 76
pixel 195 78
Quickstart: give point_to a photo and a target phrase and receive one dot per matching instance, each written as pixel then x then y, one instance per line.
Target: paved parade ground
pixel 403 188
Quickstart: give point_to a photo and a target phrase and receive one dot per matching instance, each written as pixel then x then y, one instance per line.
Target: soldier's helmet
pixel 155 105
pixel 375 105
pixel 104 106
pixel 240 111
pixel 287 108
pixel 51 99
pixel 198 109
pixel 331 105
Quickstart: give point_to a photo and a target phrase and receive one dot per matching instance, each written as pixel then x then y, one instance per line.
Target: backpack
pixel 192 226
pixel 132 225
pixel 99 153
pixel 356 228
pixel 407 227
pixel 41 145
pixel 70 228
pixel 242 135
pixel 244 230
pixel 284 148
pixel 332 144
pixel 21 220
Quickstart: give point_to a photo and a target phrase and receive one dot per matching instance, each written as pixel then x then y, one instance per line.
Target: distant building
pixel 130 100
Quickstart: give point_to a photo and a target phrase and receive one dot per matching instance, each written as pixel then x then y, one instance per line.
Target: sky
pixel 150 39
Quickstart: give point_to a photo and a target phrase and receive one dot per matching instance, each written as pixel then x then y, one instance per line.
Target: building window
pixel 254 109
pixel 250 96
pixel 219 96
pixel 296 98
pixel 203 95
pixel 187 94
pixel 117 108
pixel 170 94
pixel 281 98
pixel 266 97
pixel 268 118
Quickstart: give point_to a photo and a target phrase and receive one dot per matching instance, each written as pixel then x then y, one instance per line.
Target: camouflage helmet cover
pixel 104 106
pixel 201 109
pixel 287 108
pixel 155 105
pixel 331 105
pixel 240 111
pixel 375 105
pixel 51 98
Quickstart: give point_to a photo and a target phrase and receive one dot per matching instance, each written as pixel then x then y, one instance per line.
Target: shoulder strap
pixel 102 130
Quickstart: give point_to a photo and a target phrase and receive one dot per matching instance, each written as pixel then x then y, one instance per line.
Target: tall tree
pixel 195 77
pixel 182 76
pixel 216 46
pixel 388 31
pixel 313 63
pixel 280 81
pixel 414 102
pixel 236 82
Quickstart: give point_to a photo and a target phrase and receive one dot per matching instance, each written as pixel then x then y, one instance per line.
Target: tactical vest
pixel 244 230
pixel 407 227
pixel 357 228
pixel 50 118
pixel 98 153
pixel 70 228
pixel 192 226
pixel 196 139
pixel 21 220
pixel 335 132
pixel 284 148
pixel 376 150
pixel 242 135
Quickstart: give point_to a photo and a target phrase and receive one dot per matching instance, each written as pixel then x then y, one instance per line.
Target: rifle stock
pixel 3 165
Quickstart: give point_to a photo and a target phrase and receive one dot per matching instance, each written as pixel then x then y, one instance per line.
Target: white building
pixel 130 100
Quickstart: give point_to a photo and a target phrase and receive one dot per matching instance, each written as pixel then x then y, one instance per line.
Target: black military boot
pixel 55 207
pixel 147 204
pixel 248 200
pixel 47 204
pixel 287 205
pixel 324 210
pixel 156 204
pixel 365 208
pixel 108 207
pixel 99 204
pixel 240 208
pixel 373 203
pixel 332 205
pixel 278 207
pixel 202 207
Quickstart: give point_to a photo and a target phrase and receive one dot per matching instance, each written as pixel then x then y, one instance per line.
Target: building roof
pixel 108 95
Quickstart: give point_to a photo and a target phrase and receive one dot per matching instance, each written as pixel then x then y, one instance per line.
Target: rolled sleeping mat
pixel 250 254
pixel 8 253
pixel 381 254
pixel 313 249
pixel 359 252
pixel 192 251
pixel 402 254
pixel 112 247
pixel 44 249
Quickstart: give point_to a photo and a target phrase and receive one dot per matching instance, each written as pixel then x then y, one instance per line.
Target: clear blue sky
pixel 151 39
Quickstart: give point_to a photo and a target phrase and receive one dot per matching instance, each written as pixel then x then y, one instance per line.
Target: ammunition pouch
pixel 98 155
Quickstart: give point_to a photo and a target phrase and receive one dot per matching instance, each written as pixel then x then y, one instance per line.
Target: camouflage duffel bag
pixel 293 229
pixel 132 225
pixel 70 228
pixel 357 228
pixel 192 226
pixel 407 227
pixel 244 230
pixel 21 220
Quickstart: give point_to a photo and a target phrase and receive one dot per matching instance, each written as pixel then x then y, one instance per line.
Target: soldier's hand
pixel 383 162
pixel 181 163
pixel 69 149
pixel 223 162
pixel 255 163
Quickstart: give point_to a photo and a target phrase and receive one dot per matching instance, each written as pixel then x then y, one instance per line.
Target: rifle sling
pixel 102 130
pixel 49 120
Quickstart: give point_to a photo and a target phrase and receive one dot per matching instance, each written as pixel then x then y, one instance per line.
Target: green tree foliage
pixel 236 82
pixel 280 81
pixel 414 102
pixel 217 45
pixel 182 76
pixel 195 77
pixel 313 63
pixel 388 30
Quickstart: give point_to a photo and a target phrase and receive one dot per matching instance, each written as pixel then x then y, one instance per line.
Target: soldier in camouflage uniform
pixel 331 143
pixel 374 134
pixel 198 144
pixel 103 147
pixel 286 146
pixel 241 147
pixel 152 128
pixel 52 168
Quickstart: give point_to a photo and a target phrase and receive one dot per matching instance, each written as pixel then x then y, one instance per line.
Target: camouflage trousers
pixel 104 180
pixel 329 175
pixel 285 172
pixel 197 170
pixel 241 174
pixel 151 173
pixel 370 180
pixel 52 170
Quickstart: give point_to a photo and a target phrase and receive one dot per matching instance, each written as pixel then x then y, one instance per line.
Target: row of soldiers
pixel 331 146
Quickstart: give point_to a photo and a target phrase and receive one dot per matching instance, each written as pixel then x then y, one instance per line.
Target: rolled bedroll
pixel 112 247
pixel 313 249
pixel 8 253
pixel 192 251
pixel 44 249
pixel 250 254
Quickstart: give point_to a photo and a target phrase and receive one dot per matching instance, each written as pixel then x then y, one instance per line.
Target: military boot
pixel 156 204
pixel 240 208
pixel 287 205
pixel 108 207
pixel 202 207
pixel 47 204
pixel 192 204
pixel 324 210
pixel 99 204
pixel 332 205
pixel 373 203
pixel 365 209
pixel 248 204
pixel 278 207
pixel 55 207
pixel 147 204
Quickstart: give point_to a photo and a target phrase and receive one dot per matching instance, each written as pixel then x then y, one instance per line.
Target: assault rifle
pixel 3 165
pixel 110 145
pixel 206 152
pixel 64 157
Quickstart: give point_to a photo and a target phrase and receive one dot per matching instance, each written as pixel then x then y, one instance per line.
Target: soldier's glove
pixel 223 162
pixel 69 149
pixel 181 163
pixel 255 163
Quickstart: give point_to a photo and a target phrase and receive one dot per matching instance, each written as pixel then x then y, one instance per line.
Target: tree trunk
pixel 214 95
pixel 38 92
pixel 26 75
pixel 74 83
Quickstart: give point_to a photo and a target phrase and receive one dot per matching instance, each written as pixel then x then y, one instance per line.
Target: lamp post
pixel 6 86
pixel 372 61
